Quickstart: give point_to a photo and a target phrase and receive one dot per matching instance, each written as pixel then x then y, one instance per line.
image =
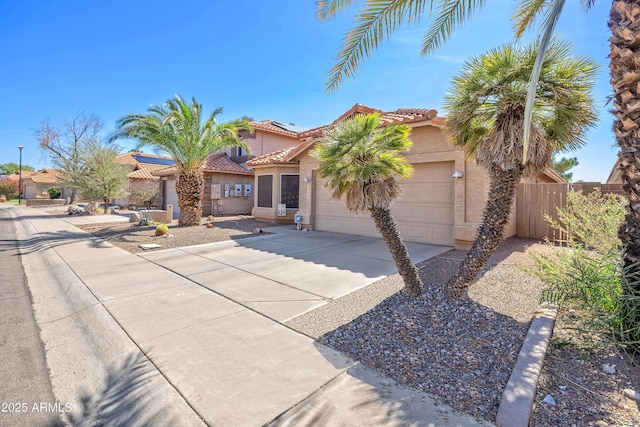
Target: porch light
pixel 457 174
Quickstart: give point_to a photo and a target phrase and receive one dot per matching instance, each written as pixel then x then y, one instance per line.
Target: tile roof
pixel 46 176
pixel 402 115
pixel 144 171
pixel 221 163
pixel 278 127
pixel 277 157
pixel 216 163
pixel 16 176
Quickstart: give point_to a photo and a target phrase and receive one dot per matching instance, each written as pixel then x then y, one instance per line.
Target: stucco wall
pixel 271 214
pixel 227 205
pixel 266 142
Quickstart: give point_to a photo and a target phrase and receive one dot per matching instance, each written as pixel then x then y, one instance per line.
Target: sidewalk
pixel 116 324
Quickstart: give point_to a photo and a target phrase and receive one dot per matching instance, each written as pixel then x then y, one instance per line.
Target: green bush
pixel 590 272
pixel 591 220
pixel 54 193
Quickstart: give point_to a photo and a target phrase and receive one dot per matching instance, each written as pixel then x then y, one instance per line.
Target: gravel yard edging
pixel 516 405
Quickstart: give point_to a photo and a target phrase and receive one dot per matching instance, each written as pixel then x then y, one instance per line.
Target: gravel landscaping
pixel 460 351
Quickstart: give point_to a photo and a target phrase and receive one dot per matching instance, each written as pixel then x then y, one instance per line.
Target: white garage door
pixel 171 196
pixel 424 213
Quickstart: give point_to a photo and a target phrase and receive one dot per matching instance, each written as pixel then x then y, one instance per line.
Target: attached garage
pixel 424 213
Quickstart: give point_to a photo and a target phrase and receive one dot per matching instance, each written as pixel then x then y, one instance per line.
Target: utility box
pixel 238 190
pixel 247 190
pixel 227 192
pixel 216 191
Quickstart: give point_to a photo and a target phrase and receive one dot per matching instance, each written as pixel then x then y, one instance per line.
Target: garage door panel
pixel 424 212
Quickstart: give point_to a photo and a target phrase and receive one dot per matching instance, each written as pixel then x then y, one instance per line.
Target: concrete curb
pixel 517 400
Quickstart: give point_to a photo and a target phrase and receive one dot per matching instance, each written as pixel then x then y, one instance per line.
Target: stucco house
pixel 141 176
pixel 442 201
pixel 228 187
pixel 36 185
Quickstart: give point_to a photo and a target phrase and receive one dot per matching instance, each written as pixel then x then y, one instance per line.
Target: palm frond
pixel 525 12
pixel 375 23
pixel 453 13
pixel 328 9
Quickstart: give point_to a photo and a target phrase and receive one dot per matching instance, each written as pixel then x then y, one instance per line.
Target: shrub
pixel 9 188
pixel 589 271
pixel 162 230
pixel 591 220
pixel 54 193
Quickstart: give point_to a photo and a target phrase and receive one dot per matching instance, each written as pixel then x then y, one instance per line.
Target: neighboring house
pixel 141 176
pixel 228 187
pixel 37 184
pixel 442 201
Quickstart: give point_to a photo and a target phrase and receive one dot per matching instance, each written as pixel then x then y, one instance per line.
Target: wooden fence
pixel 534 201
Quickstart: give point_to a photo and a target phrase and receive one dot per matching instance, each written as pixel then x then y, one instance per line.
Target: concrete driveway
pixel 195 335
pixel 289 272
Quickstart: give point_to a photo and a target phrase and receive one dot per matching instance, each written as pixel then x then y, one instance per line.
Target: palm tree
pixel 177 129
pixel 364 163
pixel 487 109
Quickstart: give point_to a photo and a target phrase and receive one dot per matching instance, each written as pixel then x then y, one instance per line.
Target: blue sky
pixel 265 59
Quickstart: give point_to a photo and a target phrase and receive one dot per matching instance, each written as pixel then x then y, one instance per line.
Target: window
pixel 265 191
pixel 290 190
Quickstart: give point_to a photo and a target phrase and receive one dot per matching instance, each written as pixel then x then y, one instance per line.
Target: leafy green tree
pixel 487 101
pixel 63 145
pixel 365 163
pixel 563 165
pixel 11 168
pixel 99 177
pixel 177 129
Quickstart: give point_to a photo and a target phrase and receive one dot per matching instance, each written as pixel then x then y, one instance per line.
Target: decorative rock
pixel 209 225
pixel 115 210
pixel 549 400
pixel 135 217
pixel 632 394
pixel 608 368
pixel 210 218
pixel 256 231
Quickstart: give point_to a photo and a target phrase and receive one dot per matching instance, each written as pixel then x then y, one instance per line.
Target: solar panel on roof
pixel 154 160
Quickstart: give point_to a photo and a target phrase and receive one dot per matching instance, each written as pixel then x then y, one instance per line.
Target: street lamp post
pixel 20 147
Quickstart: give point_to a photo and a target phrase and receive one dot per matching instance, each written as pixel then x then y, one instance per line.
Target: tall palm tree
pixel 487 109
pixel 365 163
pixel 177 129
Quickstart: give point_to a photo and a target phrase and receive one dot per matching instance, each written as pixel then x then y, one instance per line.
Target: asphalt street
pixel 26 397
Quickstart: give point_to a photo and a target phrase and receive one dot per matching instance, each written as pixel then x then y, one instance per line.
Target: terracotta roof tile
pixel 277 127
pixel 402 115
pixel 47 176
pixel 216 163
pixel 25 174
pixel 144 171
pixel 277 157
pixel 221 163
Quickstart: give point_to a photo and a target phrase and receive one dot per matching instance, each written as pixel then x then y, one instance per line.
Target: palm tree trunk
pixel 190 190
pixel 624 22
pixel 389 231
pixel 495 217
